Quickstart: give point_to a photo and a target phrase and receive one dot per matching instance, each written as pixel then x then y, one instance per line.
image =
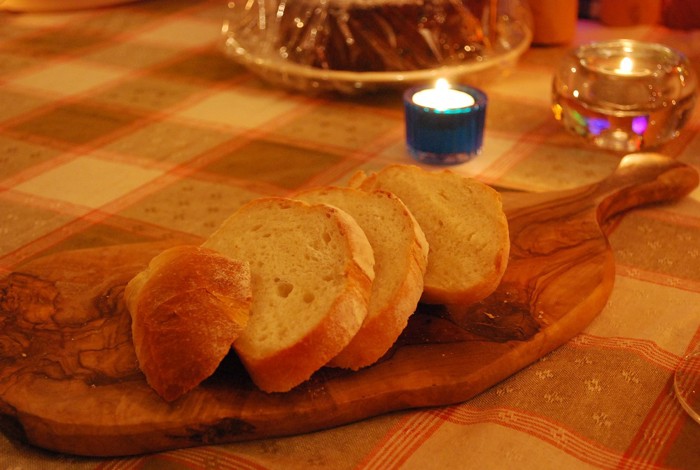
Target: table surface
pixel 127 124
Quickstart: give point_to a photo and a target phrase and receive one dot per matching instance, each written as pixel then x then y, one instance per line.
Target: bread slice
pixel 464 223
pixel 400 257
pixel 187 308
pixel 312 269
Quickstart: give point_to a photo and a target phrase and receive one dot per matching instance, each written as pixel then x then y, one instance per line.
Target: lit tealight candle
pixel 628 68
pixel 442 97
pixel 444 125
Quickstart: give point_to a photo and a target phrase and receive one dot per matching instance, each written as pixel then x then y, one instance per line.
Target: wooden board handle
pixel 639 179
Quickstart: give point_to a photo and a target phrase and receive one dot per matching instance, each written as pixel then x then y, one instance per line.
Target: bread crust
pixel 187 308
pixel 380 332
pixel 289 367
pixel 388 314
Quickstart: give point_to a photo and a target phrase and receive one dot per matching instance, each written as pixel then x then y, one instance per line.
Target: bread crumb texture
pixel 400 253
pixel 464 223
pixel 312 269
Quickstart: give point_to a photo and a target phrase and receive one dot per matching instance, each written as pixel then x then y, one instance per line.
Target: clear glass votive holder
pixel 624 95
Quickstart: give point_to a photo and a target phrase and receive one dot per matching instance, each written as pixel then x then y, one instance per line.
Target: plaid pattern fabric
pixel 127 124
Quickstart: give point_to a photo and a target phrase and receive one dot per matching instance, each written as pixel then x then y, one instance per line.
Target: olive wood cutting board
pixel 70 382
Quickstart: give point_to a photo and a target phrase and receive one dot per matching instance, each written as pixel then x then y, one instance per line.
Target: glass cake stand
pixel 249 37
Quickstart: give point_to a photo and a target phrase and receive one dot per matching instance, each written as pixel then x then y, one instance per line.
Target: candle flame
pixel 443 97
pixel 626 65
pixel 442 84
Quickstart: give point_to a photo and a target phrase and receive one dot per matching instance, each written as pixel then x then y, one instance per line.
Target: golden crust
pixel 381 331
pixel 187 308
pixel 287 368
pixel 399 268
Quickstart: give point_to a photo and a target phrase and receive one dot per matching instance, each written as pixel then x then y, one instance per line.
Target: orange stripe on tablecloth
pixel 51 96
pixel 83 219
pixel 647 349
pixel 36 170
pixel 525 144
pixel 658 278
pixel 655 436
pixel 171 173
pixel 694 343
pixel 265 131
pixel 664 422
pixel 227 457
pixel 553 433
pixel 189 13
pixel 541 428
pixel 140 117
pixel 206 458
pixel 207 455
pixel 143 116
pixel 52 101
pixel 403 440
pixel 194 458
pixel 351 161
pixel 658 431
pixel 13 258
pixel 522 148
pixel 120 464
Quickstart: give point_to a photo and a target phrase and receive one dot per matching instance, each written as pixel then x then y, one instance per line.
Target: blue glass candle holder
pixel 444 125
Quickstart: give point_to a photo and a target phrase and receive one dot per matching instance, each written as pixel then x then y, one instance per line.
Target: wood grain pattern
pixel 69 380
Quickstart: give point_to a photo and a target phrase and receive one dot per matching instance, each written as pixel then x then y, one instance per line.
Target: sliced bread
pixel 311 275
pixel 187 308
pixel 464 224
pixel 400 254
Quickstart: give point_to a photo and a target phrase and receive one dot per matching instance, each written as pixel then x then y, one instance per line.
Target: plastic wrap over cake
pixel 357 45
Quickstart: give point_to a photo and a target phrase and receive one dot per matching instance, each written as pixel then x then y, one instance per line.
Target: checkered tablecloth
pixel 127 124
